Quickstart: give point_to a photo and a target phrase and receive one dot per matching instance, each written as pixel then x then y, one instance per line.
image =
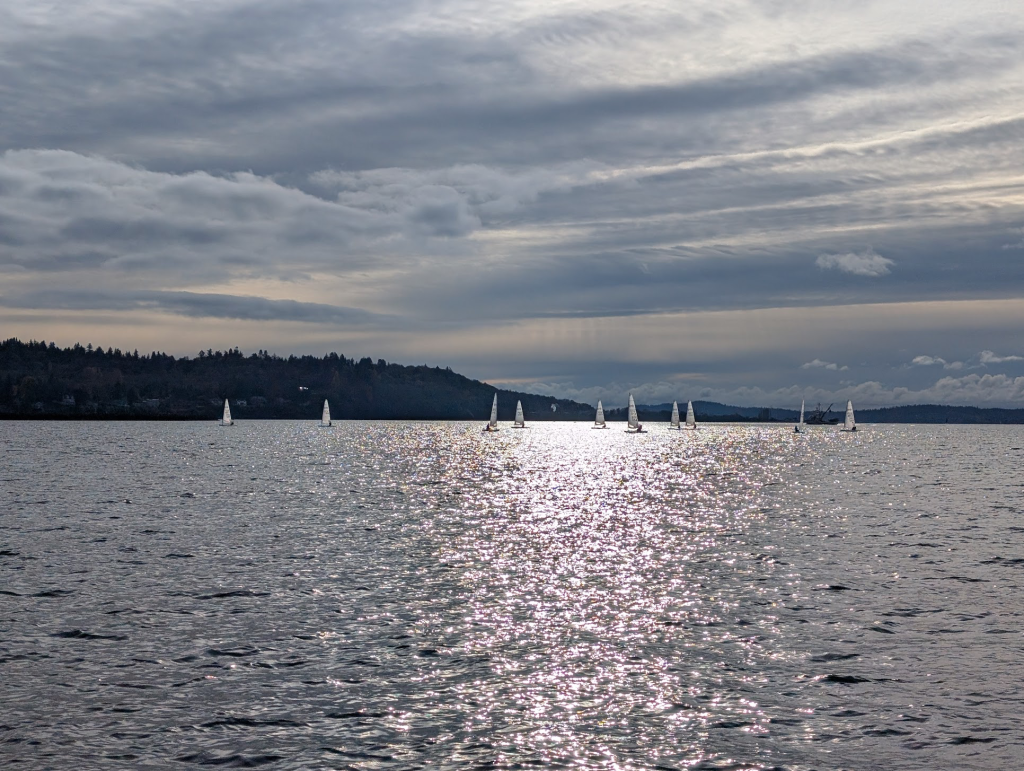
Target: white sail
pixel 325 417
pixel 691 421
pixel 634 420
pixel 520 422
pixel 800 426
pixel 674 422
pixel 849 424
pixel 493 422
pixel 226 419
pixel 599 417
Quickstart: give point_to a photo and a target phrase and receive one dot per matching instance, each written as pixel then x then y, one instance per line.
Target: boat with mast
pixel 226 417
pixel 691 420
pixel 674 420
pixel 850 424
pixel 821 418
pixel 492 424
pixel 634 425
pixel 325 416
pixel 599 417
pixel 520 422
pixel 799 427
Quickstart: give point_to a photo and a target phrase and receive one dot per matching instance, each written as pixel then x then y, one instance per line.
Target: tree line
pixel 40 379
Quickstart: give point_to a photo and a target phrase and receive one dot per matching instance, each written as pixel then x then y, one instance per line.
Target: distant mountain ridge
pixel 911 413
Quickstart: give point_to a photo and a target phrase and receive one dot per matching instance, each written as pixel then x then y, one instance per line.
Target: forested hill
pixel 41 380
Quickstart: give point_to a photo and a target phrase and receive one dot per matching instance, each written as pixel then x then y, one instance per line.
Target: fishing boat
pixel 226 418
pixel 821 418
pixel 849 424
pixel 492 424
pixel 634 426
pixel 799 427
pixel 691 421
pixel 674 420
pixel 325 417
pixel 599 417
pixel 519 421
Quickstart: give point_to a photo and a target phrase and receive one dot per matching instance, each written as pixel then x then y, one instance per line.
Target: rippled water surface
pixel 421 595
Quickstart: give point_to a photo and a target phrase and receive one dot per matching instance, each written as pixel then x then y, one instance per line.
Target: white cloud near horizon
pixel 828 365
pixel 988 357
pixel 866 263
pixel 928 361
pixel 973 389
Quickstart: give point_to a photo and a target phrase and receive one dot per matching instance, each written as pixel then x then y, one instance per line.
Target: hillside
pixel 40 380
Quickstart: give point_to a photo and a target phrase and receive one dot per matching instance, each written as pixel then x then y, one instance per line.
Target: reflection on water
pixel 386 595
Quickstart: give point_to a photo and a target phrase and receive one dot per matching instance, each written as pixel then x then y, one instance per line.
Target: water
pixel 398 596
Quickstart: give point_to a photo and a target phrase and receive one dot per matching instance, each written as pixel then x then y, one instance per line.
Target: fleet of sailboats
pixel 633 424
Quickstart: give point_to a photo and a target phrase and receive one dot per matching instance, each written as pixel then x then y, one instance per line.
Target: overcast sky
pixel 754 202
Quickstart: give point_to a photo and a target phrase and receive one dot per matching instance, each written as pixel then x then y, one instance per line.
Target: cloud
pixel 1018 244
pixel 819 364
pixel 928 361
pixel 866 263
pixel 987 357
pixel 198 305
pixel 452 201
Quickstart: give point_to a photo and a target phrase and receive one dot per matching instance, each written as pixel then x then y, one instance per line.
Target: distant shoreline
pixel 39 381
pixel 648 418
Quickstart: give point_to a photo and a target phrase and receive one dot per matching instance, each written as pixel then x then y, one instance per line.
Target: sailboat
pixel 599 417
pixel 799 428
pixel 635 426
pixel 849 424
pixel 325 417
pixel 492 424
pixel 226 419
pixel 519 422
pixel 691 421
pixel 674 421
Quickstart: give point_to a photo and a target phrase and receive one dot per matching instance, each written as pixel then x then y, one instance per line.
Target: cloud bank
pixel 549 194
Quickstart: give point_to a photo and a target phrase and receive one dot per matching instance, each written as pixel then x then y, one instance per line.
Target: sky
pixel 751 202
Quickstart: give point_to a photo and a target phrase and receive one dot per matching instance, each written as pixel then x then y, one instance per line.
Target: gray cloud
pixel 198 305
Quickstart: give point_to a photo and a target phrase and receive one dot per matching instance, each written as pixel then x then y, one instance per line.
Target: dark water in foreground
pixel 395 596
